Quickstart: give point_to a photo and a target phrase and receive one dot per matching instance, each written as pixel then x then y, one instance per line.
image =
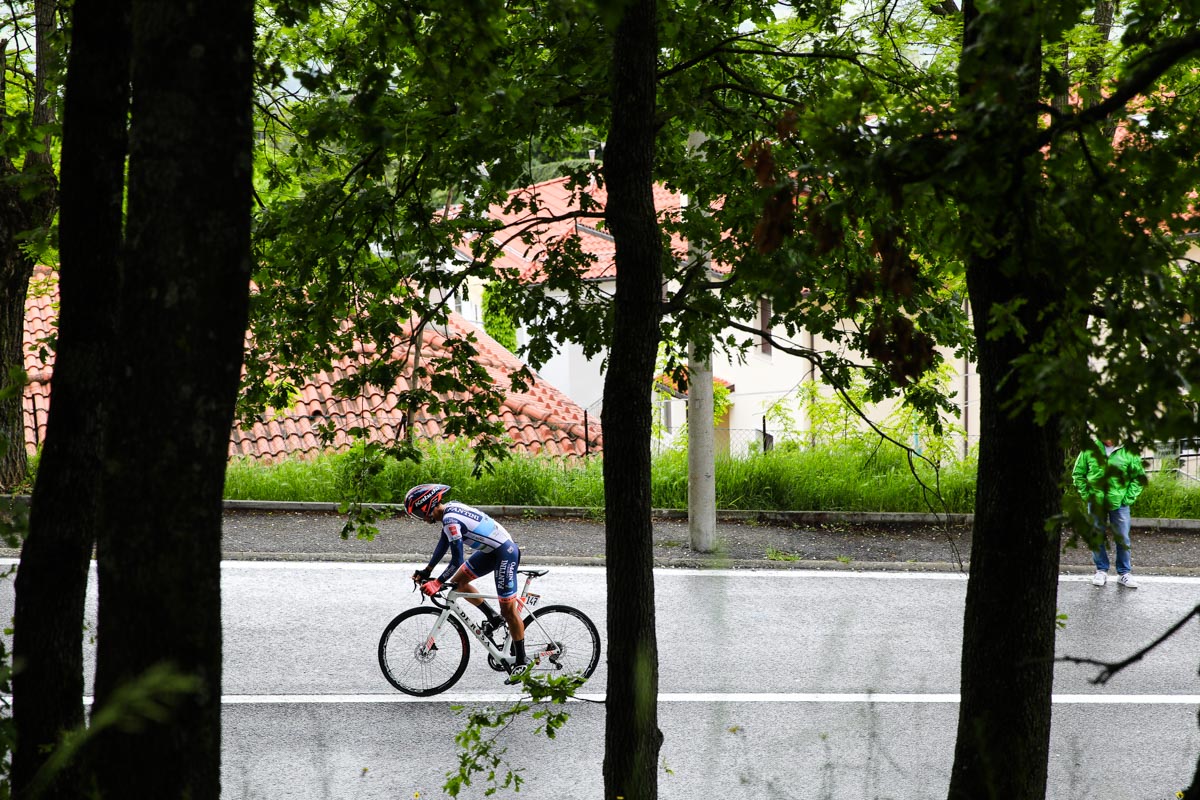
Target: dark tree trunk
pixel 52 581
pixel 632 738
pixel 15 272
pixel 27 202
pixel 184 301
pixel 1009 624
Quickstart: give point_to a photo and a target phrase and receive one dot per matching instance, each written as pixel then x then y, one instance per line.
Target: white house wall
pixel 573 374
pixel 765 379
pixel 759 381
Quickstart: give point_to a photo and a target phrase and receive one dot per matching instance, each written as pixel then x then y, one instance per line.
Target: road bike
pixel 424 651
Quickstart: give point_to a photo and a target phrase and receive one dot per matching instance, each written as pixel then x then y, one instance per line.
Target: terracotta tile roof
pixel 539 420
pixel 41 313
pixel 554 199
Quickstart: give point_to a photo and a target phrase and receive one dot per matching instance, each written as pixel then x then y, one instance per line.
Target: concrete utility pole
pixel 702 483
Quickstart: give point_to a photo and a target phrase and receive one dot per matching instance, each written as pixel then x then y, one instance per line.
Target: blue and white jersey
pixel 462 523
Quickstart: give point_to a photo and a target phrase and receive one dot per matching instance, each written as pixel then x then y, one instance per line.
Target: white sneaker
pixel 1100 578
pixel 1127 581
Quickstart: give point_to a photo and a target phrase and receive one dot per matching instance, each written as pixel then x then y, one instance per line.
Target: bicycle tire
pixel 573 646
pixel 416 671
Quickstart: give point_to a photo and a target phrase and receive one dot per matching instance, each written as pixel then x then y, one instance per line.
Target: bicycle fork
pixel 430 646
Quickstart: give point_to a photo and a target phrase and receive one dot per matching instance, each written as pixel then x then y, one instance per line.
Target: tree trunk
pixel 15 271
pixel 1009 621
pixel 52 581
pixel 184 299
pixel 27 202
pixel 1009 624
pixel 631 738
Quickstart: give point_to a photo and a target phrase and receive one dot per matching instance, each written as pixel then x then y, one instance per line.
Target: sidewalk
pixel 761 540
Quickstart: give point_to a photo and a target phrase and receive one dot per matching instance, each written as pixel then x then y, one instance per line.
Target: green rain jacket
pixel 1109 481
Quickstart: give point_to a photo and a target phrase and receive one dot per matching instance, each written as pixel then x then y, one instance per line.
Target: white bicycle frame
pixel 452 606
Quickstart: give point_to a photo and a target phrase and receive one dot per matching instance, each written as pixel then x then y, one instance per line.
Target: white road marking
pixel 669 572
pixel 689 697
pixel 683 697
pixel 664 572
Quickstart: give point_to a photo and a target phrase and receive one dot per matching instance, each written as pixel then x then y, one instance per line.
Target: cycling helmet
pixel 422 500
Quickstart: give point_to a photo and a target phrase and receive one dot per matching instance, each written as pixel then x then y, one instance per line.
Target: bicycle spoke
pixel 562 641
pixel 417 662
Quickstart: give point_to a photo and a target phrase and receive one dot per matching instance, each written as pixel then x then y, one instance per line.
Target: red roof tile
pixel 539 420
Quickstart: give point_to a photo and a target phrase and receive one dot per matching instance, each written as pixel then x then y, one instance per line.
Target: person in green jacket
pixel 1110 479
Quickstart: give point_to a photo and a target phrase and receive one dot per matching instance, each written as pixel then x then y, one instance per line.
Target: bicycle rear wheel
pixel 416 662
pixel 562 641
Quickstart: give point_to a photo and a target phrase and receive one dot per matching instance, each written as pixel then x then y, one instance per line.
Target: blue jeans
pixel 1118 523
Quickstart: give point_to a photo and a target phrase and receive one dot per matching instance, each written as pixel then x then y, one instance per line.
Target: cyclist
pixel 494 551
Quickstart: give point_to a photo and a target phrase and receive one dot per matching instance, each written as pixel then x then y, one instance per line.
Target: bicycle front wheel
pixel 419 660
pixel 562 641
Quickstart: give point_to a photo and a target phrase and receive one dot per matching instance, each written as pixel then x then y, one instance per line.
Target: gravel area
pixel 853 542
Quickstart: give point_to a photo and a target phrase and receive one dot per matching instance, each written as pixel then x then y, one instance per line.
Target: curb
pixel 723 515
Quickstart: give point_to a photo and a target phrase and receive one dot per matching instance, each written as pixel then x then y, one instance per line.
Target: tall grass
pixel 525 481
pixel 1169 497
pixel 845 479
pixel 834 479
pixel 842 478
pixel 313 481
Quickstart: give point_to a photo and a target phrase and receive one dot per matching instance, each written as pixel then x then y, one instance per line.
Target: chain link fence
pixel 1180 458
pixel 736 442
pixel 746 442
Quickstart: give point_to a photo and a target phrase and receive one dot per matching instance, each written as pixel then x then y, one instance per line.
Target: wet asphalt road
pixel 787 684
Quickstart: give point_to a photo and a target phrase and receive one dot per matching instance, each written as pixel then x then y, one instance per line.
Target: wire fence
pixel 1180 458
pixel 747 442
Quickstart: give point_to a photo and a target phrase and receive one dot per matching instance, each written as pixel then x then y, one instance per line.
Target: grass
pixel 331 478
pixel 841 479
pixel 844 478
pixel 312 481
pixel 779 555
pixel 1169 498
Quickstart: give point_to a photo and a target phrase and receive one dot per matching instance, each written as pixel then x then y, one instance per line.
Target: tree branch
pixel 1150 68
pixel 706 54
pixel 1110 669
